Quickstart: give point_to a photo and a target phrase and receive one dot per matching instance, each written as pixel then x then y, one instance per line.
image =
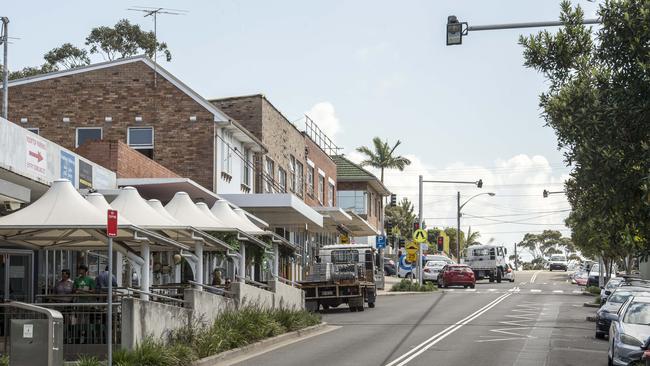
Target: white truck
pixel 343 274
pixel 487 261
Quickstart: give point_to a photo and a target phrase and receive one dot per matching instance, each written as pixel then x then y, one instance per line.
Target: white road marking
pixel 558 291
pixel 532 279
pixel 422 347
pixel 522 283
pixel 576 292
pixel 535 290
pixel 470 289
pixel 492 289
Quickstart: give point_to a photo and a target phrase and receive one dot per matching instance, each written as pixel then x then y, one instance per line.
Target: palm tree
pixel 382 157
pixel 472 237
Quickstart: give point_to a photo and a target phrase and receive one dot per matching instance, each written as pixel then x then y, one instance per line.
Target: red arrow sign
pixel 36 155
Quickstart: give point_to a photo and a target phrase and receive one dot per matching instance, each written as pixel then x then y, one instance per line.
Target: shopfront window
pixel 352 200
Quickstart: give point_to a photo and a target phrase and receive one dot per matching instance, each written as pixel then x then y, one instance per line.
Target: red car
pixel 456 275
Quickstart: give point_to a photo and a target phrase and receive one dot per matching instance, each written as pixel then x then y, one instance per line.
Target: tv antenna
pixel 153 12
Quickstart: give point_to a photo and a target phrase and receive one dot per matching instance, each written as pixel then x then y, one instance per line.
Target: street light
pixel 457 29
pixel 460 207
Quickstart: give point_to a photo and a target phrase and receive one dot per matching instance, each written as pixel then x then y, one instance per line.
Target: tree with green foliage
pixel 597 102
pixel 124 40
pixel 382 156
pixel 547 243
pixel 67 57
pixel 401 216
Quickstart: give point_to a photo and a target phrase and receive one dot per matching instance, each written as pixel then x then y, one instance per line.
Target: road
pixel 537 320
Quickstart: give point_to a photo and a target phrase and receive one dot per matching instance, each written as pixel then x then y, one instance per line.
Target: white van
pixel 558 262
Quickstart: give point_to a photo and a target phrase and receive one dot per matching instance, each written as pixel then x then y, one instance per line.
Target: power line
pixel 520 214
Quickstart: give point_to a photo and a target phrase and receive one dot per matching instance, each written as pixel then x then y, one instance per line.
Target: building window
pixel 292 174
pixel 269 174
pixel 226 152
pixel 330 195
pixel 85 134
pixel 34 130
pixel 370 204
pixel 299 177
pixel 352 200
pixel 246 169
pixel 141 139
pixel 282 180
pixel 310 181
pixel 321 188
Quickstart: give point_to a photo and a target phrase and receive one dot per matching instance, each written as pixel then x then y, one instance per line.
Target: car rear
pixel 459 275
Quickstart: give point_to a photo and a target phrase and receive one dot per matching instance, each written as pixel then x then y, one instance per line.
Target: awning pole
pixel 144 285
pixel 198 251
pixel 242 262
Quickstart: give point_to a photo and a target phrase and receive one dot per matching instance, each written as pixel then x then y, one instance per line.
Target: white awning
pixel 359 226
pixel 63 218
pixel 277 209
pixel 222 210
pixel 186 212
pixel 130 204
pixel 98 200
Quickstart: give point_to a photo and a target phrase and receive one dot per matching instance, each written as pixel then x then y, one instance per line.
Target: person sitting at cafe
pixel 101 281
pixel 64 287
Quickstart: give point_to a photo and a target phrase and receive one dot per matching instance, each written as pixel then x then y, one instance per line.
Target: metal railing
pixel 156 297
pixel 254 283
pixel 19 310
pixel 85 327
pixel 287 282
pixel 213 289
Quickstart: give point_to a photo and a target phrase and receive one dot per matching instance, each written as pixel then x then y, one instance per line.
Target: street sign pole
pixel 111 231
pixel 421 219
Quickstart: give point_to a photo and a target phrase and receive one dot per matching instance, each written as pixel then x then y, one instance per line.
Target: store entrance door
pixel 16 275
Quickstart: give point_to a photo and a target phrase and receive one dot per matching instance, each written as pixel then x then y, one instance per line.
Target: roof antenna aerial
pixel 153 12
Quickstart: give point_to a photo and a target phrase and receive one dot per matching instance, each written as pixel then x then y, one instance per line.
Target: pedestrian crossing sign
pixel 420 236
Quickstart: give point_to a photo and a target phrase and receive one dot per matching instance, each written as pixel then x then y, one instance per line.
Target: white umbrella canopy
pixel 203 207
pixel 130 204
pixel 158 206
pixel 62 218
pixel 222 210
pixel 99 201
pixel 187 213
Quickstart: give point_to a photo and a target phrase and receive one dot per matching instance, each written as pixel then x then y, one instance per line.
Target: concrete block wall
pixel 247 294
pixel 206 306
pixel 287 297
pixel 141 319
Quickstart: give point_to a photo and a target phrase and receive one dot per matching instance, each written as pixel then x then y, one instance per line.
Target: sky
pixel 362 69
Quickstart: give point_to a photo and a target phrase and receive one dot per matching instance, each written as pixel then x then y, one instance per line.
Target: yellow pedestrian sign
pixel 420 236
pixel 412 248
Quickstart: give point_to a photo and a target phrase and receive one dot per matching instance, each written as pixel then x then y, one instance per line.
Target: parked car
pixel 607 290
pixel 594 275
pixel 389 267
pixel 581 278
pixel 610 308
pixel 558 262
pixel 510 273
pixel 432 269
pixel 629 331
pixel 456 275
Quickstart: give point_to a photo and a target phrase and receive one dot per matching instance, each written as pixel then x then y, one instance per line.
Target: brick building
pixel 152 112
pixel 361 192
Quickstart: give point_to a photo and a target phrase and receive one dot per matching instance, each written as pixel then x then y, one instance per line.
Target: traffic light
pixel 545 193
pixel 402 242
pixel 393 200
pixel 441 244
pixel 479 183
pixel 431 236
pixel 388 225
pixel 416 226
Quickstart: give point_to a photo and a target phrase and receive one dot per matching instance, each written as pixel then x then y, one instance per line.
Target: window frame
pixel 300 178
pixel 310 180
pixel 246 170
pixel 282 176
pixel 140 147
pixel 321 188
pixel 76 134
pixel 269 174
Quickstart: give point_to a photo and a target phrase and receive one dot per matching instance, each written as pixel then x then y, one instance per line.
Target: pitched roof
pixel 219 115
pixel 347 171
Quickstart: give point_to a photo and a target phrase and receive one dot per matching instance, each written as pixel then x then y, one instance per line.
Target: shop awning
pixel 277 209
pixel 62 218
pixel 334 218
pixel 359 226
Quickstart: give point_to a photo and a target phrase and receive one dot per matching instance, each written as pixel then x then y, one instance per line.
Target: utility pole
pixel 4 39
pixel 516 259
pixel 458 227
pixel 420 220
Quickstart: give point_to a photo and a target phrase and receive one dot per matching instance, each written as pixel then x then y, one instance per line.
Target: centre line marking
pixel 532 279
pixel 422 347
pixel 535 290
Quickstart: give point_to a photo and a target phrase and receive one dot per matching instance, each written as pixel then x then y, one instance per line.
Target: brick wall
pixel 121 92
pixel 123 160
pixel 323 162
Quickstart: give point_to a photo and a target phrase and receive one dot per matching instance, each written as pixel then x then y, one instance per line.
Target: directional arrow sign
pixel 420 236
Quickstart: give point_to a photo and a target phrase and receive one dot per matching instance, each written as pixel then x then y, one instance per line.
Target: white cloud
pixel 324 115
pixel 518 183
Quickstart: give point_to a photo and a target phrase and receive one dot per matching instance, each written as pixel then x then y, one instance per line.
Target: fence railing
pixel 213 289
pixel 287 282
pixel 176 301
pixel 254 283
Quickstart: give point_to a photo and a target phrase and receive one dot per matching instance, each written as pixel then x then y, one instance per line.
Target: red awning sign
pixel 111 223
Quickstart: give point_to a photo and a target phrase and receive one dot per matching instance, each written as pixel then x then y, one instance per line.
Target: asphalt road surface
pixel 537 320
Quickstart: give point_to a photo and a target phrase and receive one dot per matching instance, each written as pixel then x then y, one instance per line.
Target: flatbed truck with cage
pixel 343 274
